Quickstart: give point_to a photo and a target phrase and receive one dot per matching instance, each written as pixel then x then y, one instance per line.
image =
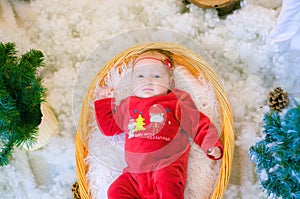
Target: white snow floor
pixel 68 31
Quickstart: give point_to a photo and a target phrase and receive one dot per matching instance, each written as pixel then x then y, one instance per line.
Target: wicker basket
pixel 196 65
pixel 213 3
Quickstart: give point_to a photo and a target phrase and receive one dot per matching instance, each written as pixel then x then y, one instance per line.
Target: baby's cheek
pixel 136 85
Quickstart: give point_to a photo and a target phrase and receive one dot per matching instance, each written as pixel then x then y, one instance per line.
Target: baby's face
pixel 150 78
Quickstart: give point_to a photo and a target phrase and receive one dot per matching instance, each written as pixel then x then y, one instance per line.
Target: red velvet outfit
pixel 157 142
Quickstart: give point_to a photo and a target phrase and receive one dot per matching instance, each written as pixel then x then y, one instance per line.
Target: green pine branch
pixel 21 94
pixel 277 156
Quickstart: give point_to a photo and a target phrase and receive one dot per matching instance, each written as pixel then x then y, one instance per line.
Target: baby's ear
pixel 172 83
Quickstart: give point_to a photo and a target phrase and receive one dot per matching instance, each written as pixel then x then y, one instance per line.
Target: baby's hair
pixel 166 53
pixel 167 59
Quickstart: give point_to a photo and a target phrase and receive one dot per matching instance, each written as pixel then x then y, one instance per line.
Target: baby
pixel 158 121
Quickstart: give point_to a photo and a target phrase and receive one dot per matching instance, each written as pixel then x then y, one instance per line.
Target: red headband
pixel 167 62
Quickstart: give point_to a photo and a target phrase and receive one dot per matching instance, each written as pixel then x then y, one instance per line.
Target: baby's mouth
pixel 147 89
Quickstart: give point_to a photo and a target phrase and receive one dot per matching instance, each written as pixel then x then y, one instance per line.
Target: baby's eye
pixel 140 76
pixel 157 76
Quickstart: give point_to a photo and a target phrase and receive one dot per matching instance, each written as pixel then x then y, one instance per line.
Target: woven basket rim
pixel 196 64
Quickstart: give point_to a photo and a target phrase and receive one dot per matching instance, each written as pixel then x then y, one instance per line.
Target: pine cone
pixel 278 99
pixel 75 190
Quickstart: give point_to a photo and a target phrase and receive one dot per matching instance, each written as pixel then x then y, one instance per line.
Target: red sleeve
pixel 107 116
pixel 197 125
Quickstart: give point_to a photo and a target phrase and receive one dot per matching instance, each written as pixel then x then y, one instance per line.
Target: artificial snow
pixel 68 32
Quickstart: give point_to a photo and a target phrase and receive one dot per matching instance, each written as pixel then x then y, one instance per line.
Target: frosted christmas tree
pixel 277 154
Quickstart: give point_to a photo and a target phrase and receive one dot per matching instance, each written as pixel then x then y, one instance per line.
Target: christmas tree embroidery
pixel 139 123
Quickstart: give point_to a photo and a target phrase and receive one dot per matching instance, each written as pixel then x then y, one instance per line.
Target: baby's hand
pixel 104 92
pixel 215 152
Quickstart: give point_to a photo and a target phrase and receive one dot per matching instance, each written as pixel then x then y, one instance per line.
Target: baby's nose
pixel 149 81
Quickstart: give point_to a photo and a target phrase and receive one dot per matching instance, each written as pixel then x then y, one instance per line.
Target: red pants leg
pixel 122 188
pixel 169 184
pixel 170 181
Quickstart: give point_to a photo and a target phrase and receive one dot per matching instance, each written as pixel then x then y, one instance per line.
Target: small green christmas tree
pixel 21 95
pixel 139 123
pixel 277 155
